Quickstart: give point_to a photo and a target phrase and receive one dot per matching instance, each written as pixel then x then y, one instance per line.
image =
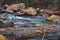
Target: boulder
pixel 53 17
pixel 2 37
pixel 12 7
pixel 30 11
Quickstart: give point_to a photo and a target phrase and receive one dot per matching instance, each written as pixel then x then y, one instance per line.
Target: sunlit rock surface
pixel 2 37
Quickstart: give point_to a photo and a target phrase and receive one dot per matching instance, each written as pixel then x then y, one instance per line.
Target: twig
pixel 43 34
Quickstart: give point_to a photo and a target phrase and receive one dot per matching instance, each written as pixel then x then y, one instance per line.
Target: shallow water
pixel 20 21
pixel 27 21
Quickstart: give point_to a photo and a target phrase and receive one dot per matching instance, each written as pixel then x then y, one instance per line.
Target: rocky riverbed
pixel 51 32
pixel 36 28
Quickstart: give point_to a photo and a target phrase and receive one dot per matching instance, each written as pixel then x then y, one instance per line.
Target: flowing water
pixel 20 21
